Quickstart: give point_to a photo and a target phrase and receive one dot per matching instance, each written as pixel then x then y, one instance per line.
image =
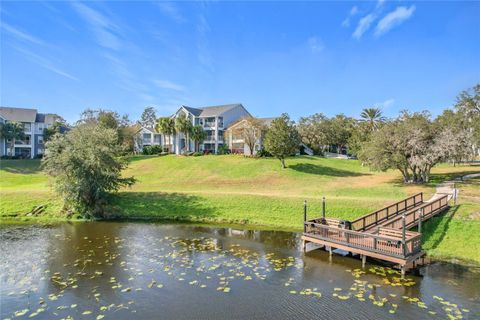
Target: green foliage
pixel 111 120
pixel 198 135
pixel 319 132
pixel 263 153
pixel 313 131
pixel 86 168
pixel 12 131
pixel 184 125
pixel 165 126
pixel 148 119
pixel 468 105
pixel 223 149
pixel 282 139
pixel 54 129
pixel 373 118
pixel 152 150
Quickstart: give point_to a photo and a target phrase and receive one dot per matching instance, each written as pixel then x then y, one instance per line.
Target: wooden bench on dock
pixel 382 234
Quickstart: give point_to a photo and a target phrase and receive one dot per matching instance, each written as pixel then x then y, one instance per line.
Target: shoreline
pixel 221 223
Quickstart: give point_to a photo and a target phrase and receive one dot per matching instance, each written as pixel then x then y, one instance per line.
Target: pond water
pixel 107 270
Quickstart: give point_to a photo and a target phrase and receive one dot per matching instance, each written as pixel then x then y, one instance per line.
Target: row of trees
pixel 412 142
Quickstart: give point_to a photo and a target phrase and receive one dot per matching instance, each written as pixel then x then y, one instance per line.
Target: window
pixel 157 138
pixel 220 134
pixel 220 122
pixel 40 127
pixel 40 140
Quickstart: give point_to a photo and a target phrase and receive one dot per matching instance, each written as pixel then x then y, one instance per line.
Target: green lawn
pixel 234 189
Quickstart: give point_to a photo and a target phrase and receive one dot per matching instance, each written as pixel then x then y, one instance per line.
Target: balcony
pixel 23 142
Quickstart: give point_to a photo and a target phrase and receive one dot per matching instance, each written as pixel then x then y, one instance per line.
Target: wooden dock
pixel 383 234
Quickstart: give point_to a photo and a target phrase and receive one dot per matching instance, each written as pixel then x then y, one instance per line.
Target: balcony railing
pixel 23 142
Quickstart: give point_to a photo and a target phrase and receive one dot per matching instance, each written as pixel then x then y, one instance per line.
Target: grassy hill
pixel 234 189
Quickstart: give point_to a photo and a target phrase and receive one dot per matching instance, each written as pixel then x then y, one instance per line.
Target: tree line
pixel 87 162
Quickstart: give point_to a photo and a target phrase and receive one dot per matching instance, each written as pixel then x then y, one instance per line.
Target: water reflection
pixel 140 270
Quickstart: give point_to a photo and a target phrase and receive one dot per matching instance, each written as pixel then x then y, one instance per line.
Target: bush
pixel 223 149
pixel 151 150
pixel 10 157
pixel 263 153
pixel 197 154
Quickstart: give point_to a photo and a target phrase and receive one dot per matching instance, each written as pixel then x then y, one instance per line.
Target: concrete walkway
pixel 448 187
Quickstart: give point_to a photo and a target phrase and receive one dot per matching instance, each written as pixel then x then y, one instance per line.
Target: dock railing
pixel 377 217
pixel 424 211
pixel 385 241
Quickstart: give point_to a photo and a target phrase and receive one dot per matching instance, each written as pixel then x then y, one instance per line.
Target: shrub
pixel 151 150
pixel 263 153
pixel 223 149
pixel 197 154
pixel 86 168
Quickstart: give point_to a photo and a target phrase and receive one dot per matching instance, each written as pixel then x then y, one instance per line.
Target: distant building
pixel 146 137
pixel 33 122
pixel 235 138
pixel 214 120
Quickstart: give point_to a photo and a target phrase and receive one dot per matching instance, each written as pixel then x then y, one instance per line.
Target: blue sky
pixel 274 57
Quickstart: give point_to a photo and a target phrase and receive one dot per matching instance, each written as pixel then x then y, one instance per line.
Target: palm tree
pixel 373 117
pixel 12 131
pixel 198 134
pixel 166 126
pixel 183 124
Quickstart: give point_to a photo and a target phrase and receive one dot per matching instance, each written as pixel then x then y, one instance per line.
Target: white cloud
pixel 171 10
pixel 20 34
pixel 385 104
pixel 203 52
pixel 380 3
pixel 45 63
pixel 102 27
pixel 315 44
pixel 165 84
pixel 353 12
pixel 394 18
pixel 363 25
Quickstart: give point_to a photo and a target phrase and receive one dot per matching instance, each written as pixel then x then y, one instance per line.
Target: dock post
pixel 304 216
pixel 403 272
pixel 404 235
pixel 454 194
pixel 323 207
pixel 364 260
pixel 420 221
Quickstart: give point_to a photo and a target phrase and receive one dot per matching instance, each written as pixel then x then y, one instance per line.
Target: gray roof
pixel 196 112
pixel 18 114
pixel 215 111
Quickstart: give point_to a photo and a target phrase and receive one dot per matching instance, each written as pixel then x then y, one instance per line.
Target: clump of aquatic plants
pixel 110 274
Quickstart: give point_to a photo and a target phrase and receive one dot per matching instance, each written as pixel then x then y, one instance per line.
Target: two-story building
pixel 214 120
pixel 33 123
pixel 146 137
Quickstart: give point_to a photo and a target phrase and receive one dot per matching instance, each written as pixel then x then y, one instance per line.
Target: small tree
pixel 198 134
pixel 12 131
pixel 183 124
pixel 148 118
pixel 86 167
pixel 282 139
pixel 251 132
